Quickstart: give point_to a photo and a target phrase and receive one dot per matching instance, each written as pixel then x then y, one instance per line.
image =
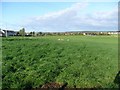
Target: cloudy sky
pixel 60 16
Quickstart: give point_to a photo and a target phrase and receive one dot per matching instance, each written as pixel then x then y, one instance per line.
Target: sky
pixel 59 16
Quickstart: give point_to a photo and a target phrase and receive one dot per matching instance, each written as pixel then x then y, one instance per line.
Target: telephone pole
pixel 6 32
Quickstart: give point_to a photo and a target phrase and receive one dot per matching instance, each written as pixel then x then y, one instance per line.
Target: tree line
pixel 22 32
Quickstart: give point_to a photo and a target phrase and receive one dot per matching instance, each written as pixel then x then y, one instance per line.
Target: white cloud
pixel 69 19
pixel 104 20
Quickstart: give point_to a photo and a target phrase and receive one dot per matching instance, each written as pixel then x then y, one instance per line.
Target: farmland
pixel 83 61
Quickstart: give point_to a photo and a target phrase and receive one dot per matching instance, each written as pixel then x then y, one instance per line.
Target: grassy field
pixel 84 61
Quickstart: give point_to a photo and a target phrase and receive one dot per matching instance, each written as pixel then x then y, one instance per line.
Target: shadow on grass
pixel 117 79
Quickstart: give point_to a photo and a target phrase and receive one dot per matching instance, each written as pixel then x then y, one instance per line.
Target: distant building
pixel 112 32
pixel 7 33
pixel 84 33
pixel 1 33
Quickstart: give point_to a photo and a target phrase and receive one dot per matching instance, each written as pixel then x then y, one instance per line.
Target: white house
pixel 112 32
pixel 7 33
pixel 2 33
pixel 84 33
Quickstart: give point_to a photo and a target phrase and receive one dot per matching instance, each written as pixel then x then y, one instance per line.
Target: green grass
pixel 84 61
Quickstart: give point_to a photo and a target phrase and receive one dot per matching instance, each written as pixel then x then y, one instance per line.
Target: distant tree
pixel 39 34
pixel 22 32
pixel 32 33
pixel 17 33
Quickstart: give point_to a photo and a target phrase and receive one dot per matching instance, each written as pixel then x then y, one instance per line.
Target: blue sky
pixel 59 0
pixel 59 16
pixel 21 10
